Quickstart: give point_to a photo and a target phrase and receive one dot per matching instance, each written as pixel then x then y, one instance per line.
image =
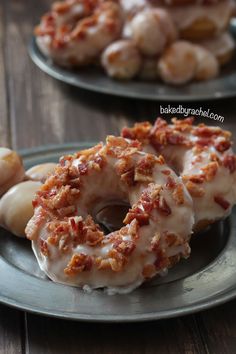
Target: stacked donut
pixel 173 40
pixel 176 178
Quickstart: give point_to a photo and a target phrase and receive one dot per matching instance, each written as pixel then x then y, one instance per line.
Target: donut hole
pixel 110 217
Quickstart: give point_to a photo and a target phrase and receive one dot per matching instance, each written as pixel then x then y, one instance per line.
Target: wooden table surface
pixel 37 110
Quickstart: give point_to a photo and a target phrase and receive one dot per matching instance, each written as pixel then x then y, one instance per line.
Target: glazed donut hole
pixel 16 207
pixel 208 66
pixel 152 30
pixel 178 64
pixel 122 60
pixel 12 169
pixel 40 172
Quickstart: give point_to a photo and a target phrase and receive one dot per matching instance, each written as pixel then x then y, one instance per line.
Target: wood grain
pixel 174 336
pixel 11 325
pixel 4 122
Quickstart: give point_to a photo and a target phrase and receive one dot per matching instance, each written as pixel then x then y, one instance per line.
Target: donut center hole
pixel 110 217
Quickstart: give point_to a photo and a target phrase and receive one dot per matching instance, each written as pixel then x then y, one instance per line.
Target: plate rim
pixel 213 301
pixel 39 59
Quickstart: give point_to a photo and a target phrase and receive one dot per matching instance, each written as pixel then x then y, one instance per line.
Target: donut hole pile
pixel 172 41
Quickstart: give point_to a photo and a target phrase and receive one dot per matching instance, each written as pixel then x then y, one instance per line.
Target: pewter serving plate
pixel 206 279
pixel 94 79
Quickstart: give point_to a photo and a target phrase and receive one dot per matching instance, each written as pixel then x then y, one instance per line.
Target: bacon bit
pixel 203 142
pixel 170 182
pixel 210 171
pixel 115 262
pixel 161 261
pixel 129 178
pixel 128 133
pixel 140 131
pixel 136 213
pixel 207 132
pixel 159 124
pixel 176 139
pixel 215 158
pixel 183 125
pixel 222 145
pixel 61 7
pixel 124 247
pixel 35 203
pixel 178 194
pixel 149 271
pixel 222 202
pixel 161 160
pixel 194 189
pixel 166 172
pixel 44 247
pixel 229 162
pixel 78 263
pixel 171 239
pixel 91 232
pixel 198 179
pixel 83 168
pixel 66 211
pixel 99 161
pixel 162 206
pixel 144 169
pixel 155 242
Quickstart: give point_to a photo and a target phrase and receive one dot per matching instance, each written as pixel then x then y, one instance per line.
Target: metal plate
pixel 206 279
pixel 94 79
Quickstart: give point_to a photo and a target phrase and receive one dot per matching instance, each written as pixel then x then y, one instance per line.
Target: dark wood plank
pixel 56 336
pixel 218 328
pixel 4 125
pixel 11 324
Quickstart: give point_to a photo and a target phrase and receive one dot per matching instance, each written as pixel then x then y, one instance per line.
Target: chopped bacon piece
pixel 198 179
pixel 170 182
pixel 178 194
pixel 44 248
pixel 78 263
pixel 229 162
pixel 83 168
pixel 222 145
pixel 129 177
pixel 162 206
pixel 222 202
pixel 207 132
pixel 124 247
pixel 194 189
pixel 138 214
pixel 210 171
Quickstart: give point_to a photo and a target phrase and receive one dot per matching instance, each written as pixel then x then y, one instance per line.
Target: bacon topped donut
pixel 76 31
pixel 72 249
pixel 201 155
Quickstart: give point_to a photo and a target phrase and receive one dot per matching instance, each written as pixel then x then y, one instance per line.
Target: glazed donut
pixel 40 172
pixel 183 61
pixel 203 158
pixel 222 47
pixel 72 249
pixel 197 22
pixel 152 30
pixel 16 207
pixel 11 169
pixel 75 32
pixel 122 59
